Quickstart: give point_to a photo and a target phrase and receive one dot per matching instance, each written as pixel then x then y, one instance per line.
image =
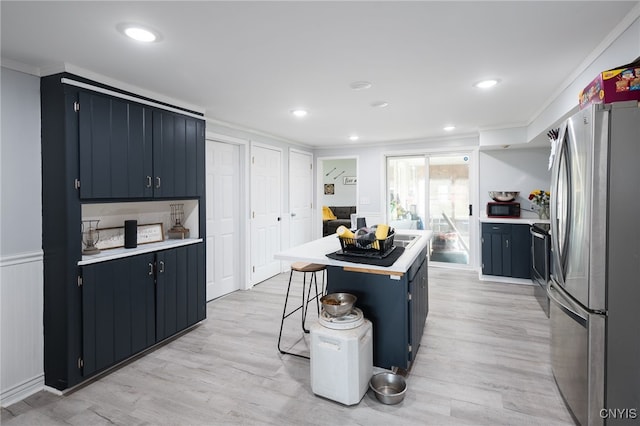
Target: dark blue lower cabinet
pixel 118 311
pixel 397 306
pixel 130 304
pixel 180 285
pixel 506 250
pixel 418 307
pixel 521 251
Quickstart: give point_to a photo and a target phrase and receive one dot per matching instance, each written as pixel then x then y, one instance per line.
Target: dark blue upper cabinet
pixel 115 145
pixel 177 167
pixel 129 150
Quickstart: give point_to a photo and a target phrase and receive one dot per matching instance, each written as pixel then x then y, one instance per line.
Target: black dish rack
pixel 367 248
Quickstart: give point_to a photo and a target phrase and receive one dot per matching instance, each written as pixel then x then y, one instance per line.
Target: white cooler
pixel 341 357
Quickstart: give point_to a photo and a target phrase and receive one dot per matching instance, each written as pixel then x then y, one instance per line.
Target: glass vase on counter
pixel 543 211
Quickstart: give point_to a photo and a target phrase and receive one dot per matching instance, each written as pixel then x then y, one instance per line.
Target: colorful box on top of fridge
pixel 615 85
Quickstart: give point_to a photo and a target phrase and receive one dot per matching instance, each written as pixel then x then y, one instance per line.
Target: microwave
pixel 505 209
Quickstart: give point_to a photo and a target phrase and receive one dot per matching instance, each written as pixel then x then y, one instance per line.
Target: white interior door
pixel 223 215
pixel 266 205
pixel 300 190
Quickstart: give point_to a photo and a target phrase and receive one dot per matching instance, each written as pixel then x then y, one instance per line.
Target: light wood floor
pixel 484 360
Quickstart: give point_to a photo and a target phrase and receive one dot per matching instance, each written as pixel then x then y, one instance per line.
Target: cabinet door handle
pixel 161 266
pixel 150 268
pixel 158 182
pixel 148 181
pixel 507 243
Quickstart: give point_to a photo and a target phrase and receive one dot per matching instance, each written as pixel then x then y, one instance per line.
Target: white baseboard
pixel 21 391
pixel 508 280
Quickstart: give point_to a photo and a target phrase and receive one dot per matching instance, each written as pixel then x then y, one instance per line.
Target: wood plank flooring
pixel 484 360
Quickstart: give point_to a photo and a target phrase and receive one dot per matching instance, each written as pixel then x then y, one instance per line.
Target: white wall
pixel 372 167
pixel 21 279
pixel 622 50
pixel 520 170
pixel 344 195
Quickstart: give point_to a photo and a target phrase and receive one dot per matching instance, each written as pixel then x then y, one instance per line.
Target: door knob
pixel 293 214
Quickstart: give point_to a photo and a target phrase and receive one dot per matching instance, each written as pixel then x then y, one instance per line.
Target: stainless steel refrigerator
pixel 595 283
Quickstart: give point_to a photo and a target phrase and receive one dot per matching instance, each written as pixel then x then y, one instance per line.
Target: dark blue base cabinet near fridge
pixel 396 305
pixel 506 250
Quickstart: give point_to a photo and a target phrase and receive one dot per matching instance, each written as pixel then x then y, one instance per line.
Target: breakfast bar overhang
pixel 394 298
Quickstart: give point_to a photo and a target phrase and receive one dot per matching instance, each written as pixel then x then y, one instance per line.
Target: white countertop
pixel 520 220
pixel 316 251
pixel 121 252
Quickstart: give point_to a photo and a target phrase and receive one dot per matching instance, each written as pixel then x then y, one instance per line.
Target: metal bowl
pixel 389 388
pixel 502 196
pixel 338 304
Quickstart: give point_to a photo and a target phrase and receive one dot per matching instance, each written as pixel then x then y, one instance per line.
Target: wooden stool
pixel 305 268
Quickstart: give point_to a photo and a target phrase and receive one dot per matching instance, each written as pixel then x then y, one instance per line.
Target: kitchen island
pixel 394 298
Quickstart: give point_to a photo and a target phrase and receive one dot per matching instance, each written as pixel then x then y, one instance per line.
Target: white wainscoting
pixel 22 339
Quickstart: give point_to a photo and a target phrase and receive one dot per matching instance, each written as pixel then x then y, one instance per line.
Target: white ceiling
pixel 250 63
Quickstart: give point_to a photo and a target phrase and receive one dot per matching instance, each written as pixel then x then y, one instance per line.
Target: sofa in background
pixel 334 216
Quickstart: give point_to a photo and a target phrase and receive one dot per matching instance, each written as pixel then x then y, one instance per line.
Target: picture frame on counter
pixel 151 233
pixel 111 238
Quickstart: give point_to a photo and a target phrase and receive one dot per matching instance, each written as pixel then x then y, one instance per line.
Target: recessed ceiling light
pixel 360 85
pixel 485 84
pixel 449 128
pixel 299 112
pixel 380 104
pixel 139 32
pixel 354 138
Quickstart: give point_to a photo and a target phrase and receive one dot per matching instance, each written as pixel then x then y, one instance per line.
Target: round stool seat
pixel 307 267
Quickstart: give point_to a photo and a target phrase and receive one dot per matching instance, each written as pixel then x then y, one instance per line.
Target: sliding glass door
pixel 432 192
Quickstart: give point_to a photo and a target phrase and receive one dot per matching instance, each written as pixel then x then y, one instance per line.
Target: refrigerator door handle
pixel 580 319
pixel 560 189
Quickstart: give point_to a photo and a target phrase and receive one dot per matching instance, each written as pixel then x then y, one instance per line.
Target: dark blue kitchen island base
pixel 396 305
